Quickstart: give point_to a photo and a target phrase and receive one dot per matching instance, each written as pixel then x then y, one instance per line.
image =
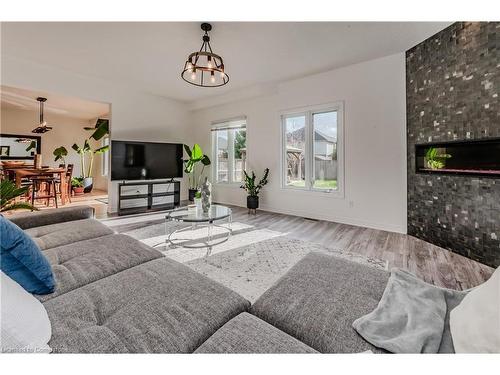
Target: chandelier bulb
pixel 193 76
pixel 212 77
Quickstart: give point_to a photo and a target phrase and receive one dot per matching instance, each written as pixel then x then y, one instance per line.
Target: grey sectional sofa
pixel 116 295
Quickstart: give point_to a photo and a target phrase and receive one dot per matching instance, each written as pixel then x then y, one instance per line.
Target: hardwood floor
pixel 95 199
pixel 432 263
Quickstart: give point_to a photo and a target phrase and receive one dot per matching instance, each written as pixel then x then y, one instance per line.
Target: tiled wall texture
pixel 452 93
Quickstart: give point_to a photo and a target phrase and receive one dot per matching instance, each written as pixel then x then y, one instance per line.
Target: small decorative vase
pixel 206 195
pixel 197 203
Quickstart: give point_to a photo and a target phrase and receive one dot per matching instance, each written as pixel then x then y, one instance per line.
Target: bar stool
pixel 68 176
pixel 36 187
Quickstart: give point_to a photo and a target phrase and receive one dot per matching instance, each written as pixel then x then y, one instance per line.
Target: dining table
pixel 21 173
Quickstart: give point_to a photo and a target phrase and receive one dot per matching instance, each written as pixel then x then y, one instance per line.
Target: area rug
pixel 250 270
pixel 251 260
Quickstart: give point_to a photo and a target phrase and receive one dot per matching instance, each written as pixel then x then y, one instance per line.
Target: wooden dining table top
pixel 36 171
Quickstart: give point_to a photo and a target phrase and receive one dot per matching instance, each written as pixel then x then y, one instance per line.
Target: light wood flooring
pixel 96 199
pixel 432 263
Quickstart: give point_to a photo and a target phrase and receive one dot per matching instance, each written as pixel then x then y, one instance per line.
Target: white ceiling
pixel 25 100
pixel 150 55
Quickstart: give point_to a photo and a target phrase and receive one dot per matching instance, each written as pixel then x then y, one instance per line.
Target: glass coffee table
pixel 199 220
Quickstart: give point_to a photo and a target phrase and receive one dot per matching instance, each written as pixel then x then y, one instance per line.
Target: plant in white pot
pixel 253 189
pixel 87 153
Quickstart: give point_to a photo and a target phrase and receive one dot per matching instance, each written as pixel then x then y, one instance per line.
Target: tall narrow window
pixel 312 149
pixel 295 139
pixel 229 140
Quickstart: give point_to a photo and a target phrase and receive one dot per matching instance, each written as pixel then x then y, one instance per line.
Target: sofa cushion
pixel 59 234
pixel 157 307
pixel 25 326
pixel 83 262
pixel 22 260
pixel 248 334
pixel 26 220
pixel 319 298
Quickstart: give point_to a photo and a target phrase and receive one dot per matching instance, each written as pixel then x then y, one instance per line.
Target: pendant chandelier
pixel 205 68
pixel 42 126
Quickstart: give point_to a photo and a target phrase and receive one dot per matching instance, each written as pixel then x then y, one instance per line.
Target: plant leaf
pixel 8 192
pixel 205 160
pixel 31 146
pixel 197 152
pixel 101 150
pixel 77 148
pixel 86 146
pixel 188 150
pixel 19 206
pixel 101 129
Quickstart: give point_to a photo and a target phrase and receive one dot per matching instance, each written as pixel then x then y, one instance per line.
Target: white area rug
pixel 249 262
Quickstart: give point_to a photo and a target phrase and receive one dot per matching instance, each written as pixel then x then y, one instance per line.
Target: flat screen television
pixel 145 160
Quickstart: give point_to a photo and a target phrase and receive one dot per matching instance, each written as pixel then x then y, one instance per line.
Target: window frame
pixel 217 126
pixel 308 112
pixel 105 157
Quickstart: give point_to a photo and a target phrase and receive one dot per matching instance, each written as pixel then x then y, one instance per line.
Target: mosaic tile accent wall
pixel 452 93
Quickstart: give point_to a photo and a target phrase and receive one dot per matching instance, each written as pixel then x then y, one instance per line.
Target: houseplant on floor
pixel 195 156
pixel 253 189
pixel 8 193
pixel 85 151
pixel 77 185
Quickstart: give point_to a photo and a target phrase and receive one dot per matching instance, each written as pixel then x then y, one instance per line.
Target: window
pixel 229 140
pixel 105 157
pixel 312 149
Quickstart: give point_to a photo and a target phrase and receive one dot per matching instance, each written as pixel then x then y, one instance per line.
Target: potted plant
pixel 195 156
pixel 8 193
pixel 77 185
pixel 60 153
pixel 253 189
pixel 85 151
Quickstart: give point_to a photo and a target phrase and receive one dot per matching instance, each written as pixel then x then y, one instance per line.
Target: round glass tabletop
pixel 215 212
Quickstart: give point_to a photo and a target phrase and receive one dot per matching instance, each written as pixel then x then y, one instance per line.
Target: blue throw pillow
pixel 22 260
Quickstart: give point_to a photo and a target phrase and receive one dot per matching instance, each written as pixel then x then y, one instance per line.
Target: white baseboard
pixel 332 218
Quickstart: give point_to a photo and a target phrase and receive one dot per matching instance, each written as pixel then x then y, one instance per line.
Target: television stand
pixel 144 196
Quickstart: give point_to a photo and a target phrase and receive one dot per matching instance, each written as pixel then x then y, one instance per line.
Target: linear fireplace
pixel 474 157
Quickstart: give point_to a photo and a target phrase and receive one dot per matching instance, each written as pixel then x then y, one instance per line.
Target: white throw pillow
pixel 25 325
pixel 475 323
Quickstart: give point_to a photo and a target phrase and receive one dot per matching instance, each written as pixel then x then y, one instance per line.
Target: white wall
pixel 66 131
pixel 374 106
pixel 373 93
pixel 134 115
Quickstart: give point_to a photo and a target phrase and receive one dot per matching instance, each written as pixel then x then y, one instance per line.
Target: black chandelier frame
pixel 207 72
